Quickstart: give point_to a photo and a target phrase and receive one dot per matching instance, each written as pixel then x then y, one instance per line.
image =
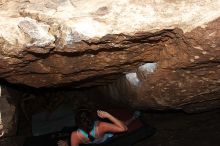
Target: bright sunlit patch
pixel 132 78
pixel 38 32
pixel 91 28
pixel 148 67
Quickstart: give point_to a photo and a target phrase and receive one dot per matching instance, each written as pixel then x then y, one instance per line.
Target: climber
pixel 92 131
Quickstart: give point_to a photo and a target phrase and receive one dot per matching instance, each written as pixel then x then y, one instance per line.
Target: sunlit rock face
pixel 168 50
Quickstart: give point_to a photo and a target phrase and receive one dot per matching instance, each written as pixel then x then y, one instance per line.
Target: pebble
pixel 192 60
pixel 204 52
pixel 196 57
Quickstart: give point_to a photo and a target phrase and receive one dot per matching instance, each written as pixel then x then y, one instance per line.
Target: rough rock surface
pixel 185 75
pixel 71 42
pixel 8 111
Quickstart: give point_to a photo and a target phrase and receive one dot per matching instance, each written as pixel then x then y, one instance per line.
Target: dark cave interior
pixel 173 127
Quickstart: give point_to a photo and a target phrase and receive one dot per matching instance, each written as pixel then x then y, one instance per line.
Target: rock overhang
pixel 80 20
pixel 168 48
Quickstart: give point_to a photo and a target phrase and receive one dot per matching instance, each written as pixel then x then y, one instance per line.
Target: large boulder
pixel 87 43
pixel 185 76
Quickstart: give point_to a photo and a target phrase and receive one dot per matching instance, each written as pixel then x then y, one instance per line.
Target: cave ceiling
pixel 168 51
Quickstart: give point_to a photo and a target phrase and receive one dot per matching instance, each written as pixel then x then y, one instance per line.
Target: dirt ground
pixel 180 129
pixel 172 129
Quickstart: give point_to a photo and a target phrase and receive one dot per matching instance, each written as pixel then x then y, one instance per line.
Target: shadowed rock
pixel 93 43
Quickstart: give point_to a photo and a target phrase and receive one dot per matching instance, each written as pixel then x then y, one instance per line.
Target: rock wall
pixel 185 75
pixel 8 111
pixel 91 43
